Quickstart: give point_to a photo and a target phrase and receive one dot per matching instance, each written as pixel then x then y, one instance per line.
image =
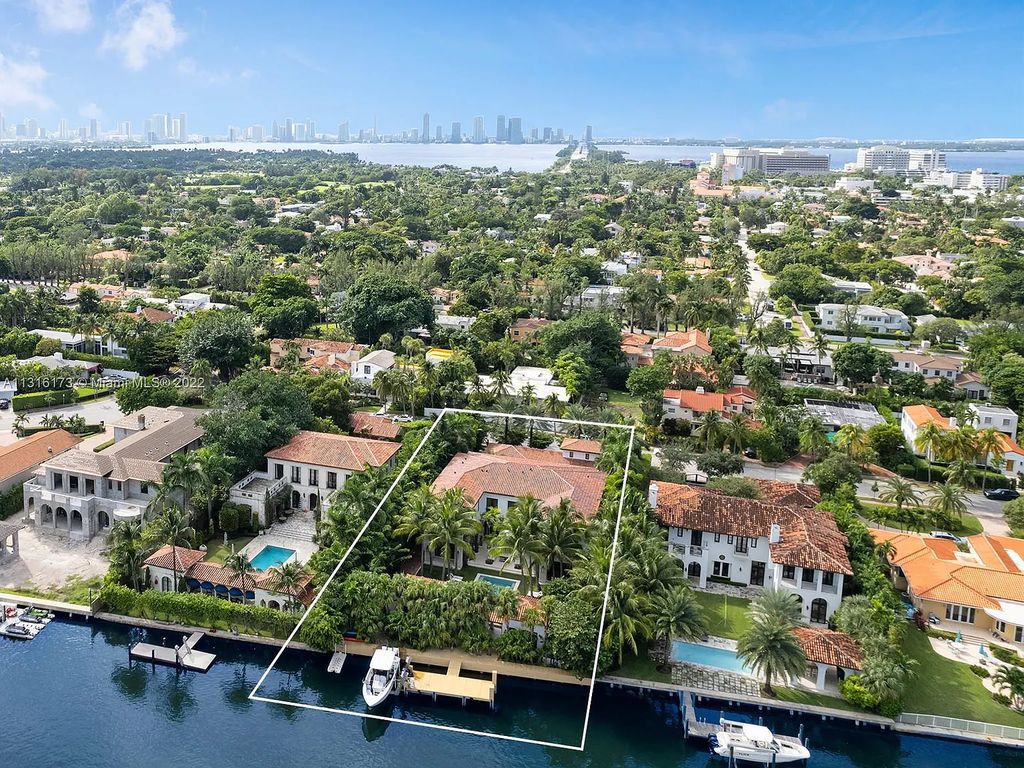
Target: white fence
pixel 962 726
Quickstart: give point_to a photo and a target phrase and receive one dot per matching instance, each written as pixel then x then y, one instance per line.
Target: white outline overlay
pixel 380 505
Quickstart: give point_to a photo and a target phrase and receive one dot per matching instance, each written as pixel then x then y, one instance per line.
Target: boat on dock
pixel 381 677
pixel 752 743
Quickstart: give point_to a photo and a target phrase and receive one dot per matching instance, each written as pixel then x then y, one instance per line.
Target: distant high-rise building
pixel 588 135
pixel 547 134
pixel 425 133
pixel 439 134
pixel 479 137
pixel 3 125
pixel 83 133
pixel 289 129
pixel 560 135
pixel 232 133
pixel 343 131
pixel 456 137
pixel 501 134
pixel 62 130
pixel 515 130
pixel 299 132
pixel 159 127
pixel 256 133
pixel 175 129
pixel 31 129
pixel 533 135
pixel 94 129
pixel 124 129
pixel 310 130
pixel 414 135
pixel 182 127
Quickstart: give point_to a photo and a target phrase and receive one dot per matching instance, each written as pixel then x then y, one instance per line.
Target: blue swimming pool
pixel 707 656
pixel 271 557
pixel 498 582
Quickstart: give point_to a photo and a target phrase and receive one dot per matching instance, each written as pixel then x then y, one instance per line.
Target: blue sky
pixel 748 69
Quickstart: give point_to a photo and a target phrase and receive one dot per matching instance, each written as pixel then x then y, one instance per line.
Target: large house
pixel 779 540
pixel 526 328
pixel 20 459
pixel 504 474
pixel 315 464
pixel 979 588
pixel 640 349
pixel 835 317
pixel 527 378
pixel 914 418
pixel 81 493
pixel 691 404
pixel 365 368
pixel 311 349
pixel 932 367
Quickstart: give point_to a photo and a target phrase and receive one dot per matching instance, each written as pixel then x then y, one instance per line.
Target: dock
pixel 53 606
pixel 183 656
pixel 453 685
pixel 337 662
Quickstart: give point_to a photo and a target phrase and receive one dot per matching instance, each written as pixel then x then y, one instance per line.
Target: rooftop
pixel 28 452
pixel 340 451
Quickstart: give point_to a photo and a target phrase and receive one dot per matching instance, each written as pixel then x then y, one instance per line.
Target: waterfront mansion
pixel 80 493
pixel 779 540
pixel 314 465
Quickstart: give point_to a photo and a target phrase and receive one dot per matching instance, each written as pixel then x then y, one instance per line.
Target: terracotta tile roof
pixel 810 537
pixel 1009 445
pixel 687 341
pixel 925 414
pixel 827 647
pixel 509 474
pixel 530 323
pixel 186 557
pixel 321 346
pixel 578 444
pixel 524 604
pixel 527 455
pixel 328 362
pixel 636 339
pixel 341 451
pixel 29 452
pixel 371 425
pixel 702 402
pixel 789 494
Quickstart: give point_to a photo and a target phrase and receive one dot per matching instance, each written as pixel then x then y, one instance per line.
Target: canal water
pixel 70 698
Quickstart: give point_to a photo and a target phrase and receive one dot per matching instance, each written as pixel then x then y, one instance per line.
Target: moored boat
pixel 381 677
pixel 755 744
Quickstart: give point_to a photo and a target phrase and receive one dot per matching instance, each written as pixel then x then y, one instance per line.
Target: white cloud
pixel 143 29
pixel 90 111
pixel 21 83
pixel 63 15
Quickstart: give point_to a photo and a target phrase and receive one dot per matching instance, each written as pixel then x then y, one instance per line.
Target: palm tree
pixel 414 521
pixel 179 473
pixel 18 427
pixel 676 613
pixel 775 604
pixel 770 649
pixel 898 493
pixel 561 536
pixel 452 522
pixel 853 439
pixel 736 432
pixel 519 537
pixel 960 472
pixel 1011 678
pixel 507 605
pixel 710 428
pixel 929 439
pixel 240 565
pixel 212 474
pixel 813 436
pixel 819 345
pixel 288 577
pixel 553 406
pixel 172 528
pixel 627 617
pixel 948 500
pixel 989 445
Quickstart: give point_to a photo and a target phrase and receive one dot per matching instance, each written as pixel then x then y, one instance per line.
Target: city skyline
pixel 747 66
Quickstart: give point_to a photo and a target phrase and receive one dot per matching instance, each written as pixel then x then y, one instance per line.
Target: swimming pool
pixel 707 656
pixel 271 557
pixel 498 582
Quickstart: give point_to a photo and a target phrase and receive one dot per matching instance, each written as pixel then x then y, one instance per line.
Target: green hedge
pixel 90 429
pixel 919 471
pixel 197 610
pixel 12 502
pixel 107 361
pixel 32 400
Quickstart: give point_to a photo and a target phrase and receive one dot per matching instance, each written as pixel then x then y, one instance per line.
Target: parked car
pixel 1002 494
pixel 944 535
pixel 5 404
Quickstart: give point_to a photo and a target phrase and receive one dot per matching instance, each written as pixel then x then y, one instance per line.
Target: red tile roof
pixel 688 341
pixel 701 402
pixel 185 557
pixel 374 426
pixel 578 444
pixel 524 604
pixel 827 647
pixel 810 537
pixel 341 451
pixel 516 475
pixel 29 452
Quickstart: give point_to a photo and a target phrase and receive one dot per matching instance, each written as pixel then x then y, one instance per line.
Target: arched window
pixel 819 611
pixel 314 501
pixel 693 570
pixel 165 584
pixel 102 520
pixel 296 500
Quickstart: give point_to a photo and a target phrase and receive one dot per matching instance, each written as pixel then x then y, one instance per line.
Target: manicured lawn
pixel 640 667
pixel 812 698
pixel 946 687
pixel 726 616
pixel 217 551
pixel 624 402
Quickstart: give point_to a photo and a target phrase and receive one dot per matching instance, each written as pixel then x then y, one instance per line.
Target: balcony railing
pixel 696 551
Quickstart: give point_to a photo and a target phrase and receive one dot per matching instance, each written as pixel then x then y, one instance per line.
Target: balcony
pixel 696 551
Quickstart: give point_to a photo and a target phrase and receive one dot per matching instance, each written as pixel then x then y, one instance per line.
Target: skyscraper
pixel 343 131
pixel 439 136
pixel 94 129
pixel 182 127
pixel 175 129
pixel 310 130
pixel 501 134
pixel 479 137
pixel 456 137
pixel 533 135
pixel 158 124
pixel 425 133
pixel 299 132
pixel 515 130
pixel 560 135
pixel 289 129
pixel 547 134
pixel 62 130
pixel 588 135
pixel 3 125
pixel 124 128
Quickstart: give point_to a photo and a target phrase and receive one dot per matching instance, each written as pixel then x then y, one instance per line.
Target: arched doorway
pixel 819 611
pixel 296 500
pixel 314 501
pixel 76 521
pixel 47 515
pixel 61 519
pixel 274 604
pixel 165 584
pixel 102 520
pixel 693 570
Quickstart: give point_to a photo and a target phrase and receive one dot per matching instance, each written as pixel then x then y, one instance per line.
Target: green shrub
pixel 1007 656
pixel 941 634
pixel 107 361
pixel 1001 698
pixel 320 630
pixel 979 671
pixel 42 399
pixel 853 691
pixel 12 502
pixel 229 518
pixel 519 645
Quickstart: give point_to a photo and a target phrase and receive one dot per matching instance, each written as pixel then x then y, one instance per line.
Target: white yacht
pixel 756 744
pixel 380 678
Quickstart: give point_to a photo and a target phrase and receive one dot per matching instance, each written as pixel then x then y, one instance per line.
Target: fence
pixel 963 726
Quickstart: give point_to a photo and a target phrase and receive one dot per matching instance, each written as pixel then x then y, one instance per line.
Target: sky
pixel 793 69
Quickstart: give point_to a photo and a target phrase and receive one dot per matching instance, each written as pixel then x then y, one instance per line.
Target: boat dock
pixel 53 606
pixel 184 656
pixel 454 685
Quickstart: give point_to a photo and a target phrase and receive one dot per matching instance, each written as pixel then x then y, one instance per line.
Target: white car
pixel 944 535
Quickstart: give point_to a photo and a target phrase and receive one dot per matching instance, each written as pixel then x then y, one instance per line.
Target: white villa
pixel 80 494
pixel 780 540
pixel 365 368
pixel 541 380
pixel 875 319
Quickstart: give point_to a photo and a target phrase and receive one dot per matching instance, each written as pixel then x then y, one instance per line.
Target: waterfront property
pixel 779 541
pixel 978 590
pixel 80 494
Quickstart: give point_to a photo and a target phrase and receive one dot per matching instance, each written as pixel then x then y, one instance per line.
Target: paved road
pixel 105 409
pixel 759 283
pixel 989 512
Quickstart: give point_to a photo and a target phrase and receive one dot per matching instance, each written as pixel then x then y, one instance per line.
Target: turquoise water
pixel 271 557
pixel 705 655
pixel 499 582
pixel 70 697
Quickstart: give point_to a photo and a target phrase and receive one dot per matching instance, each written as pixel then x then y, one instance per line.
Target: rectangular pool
pixel 707 656
pixel 498 582
pixel 271 557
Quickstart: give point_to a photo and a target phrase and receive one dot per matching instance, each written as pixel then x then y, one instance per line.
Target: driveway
pixel 94 411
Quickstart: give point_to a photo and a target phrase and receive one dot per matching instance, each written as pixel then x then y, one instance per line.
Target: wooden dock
pixel 453 685
pixel 184 656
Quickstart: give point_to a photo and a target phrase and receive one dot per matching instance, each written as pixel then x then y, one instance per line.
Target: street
pixel 94 411
pixel 758 282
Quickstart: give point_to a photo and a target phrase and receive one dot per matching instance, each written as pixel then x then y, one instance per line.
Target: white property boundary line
pixel 253 696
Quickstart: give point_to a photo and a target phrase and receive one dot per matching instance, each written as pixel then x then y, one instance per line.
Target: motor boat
pixel 755 744
pixel 16 631
pixel 381 677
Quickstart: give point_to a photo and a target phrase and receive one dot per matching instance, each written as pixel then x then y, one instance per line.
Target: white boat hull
pixel 382 676
pixel 763 757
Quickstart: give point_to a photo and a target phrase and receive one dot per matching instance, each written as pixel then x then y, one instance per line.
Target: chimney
pixel 776 534
pixel 142 421
pixel 652 495
pixel 700 390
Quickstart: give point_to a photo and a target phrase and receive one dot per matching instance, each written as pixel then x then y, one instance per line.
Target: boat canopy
pixel 757 733
pixel 384 659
